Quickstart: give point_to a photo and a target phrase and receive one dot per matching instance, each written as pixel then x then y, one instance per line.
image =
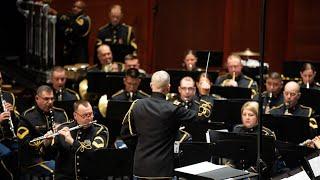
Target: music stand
pixel 293 129
pixel 119 51
pixel 231 92
pixel 308 97
pixel 102 163
pixel 313 162
pixel 116 110
pixel 215 59
pixel 241 146
pixel 177 75
pixel 228 111
pixel 67 106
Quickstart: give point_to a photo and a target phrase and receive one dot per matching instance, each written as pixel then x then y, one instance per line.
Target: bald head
pixel 291 93
pixel 160 82
pixel 115 14
pixel 104 54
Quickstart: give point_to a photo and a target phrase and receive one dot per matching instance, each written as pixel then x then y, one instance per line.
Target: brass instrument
pixel 11 126
pixel 58 132
pixel 102 105
pixel 247 53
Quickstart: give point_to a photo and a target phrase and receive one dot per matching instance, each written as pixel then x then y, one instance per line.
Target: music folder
pixel 313 163
pixel 231 92
pixel 177 75
pixel 293 129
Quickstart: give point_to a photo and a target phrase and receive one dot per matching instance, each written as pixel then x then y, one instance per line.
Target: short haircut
pixel 44 88
pixel 130 57
pixel 78 103
pixel 274 75
pixel 187 78
pixel 57 69
pixel 160 79
pixel 133 72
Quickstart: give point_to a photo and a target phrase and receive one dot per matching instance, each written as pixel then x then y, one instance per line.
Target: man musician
pixel 37 121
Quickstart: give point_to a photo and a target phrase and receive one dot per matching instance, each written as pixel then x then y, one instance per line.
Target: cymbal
pixel 247 53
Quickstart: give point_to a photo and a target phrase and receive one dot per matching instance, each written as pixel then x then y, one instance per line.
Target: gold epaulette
pixel 73 92
pixel 144 93
pixel 117 93
pixel 28 110
pixel 308 108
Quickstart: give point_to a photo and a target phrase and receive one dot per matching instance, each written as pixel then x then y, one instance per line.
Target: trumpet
pixel 58 132
pixel 11 126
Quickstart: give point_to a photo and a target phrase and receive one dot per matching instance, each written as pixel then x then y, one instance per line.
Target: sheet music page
pixel 299 176
pixel 199 168
pixel 315 165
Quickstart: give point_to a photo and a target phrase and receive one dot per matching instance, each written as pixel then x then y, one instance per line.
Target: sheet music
pixel 199 168
pixel 299 176
pixel 315 165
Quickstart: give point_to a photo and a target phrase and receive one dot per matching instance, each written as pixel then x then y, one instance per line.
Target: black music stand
pixel 215 59
pixel 289 174
pixel 67 106
pixel 293 129
pixel 116 110
pixel 228 112
pixel 231 92
pixel 241 146
pixel 313 161
pixel 119 51
pixel 102 163
pixel 308 97
pixel 177 75
pixel 110 83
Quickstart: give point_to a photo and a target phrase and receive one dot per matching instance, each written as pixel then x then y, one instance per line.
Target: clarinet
pixel 267 108
pixel 51 119
pixel 11 126
pixel 60 93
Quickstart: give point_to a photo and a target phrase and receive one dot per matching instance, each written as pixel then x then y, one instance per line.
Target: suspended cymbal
pixel 247 53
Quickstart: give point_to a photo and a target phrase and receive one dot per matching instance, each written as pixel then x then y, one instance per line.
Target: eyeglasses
pixel 47 98
pixel 86 115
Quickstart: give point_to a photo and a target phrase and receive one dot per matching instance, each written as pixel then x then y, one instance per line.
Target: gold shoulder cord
pixel 127 117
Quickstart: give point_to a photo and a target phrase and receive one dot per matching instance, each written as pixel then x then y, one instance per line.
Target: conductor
pixel 155 123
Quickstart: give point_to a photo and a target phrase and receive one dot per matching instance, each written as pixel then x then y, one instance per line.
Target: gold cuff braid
pixel 205 109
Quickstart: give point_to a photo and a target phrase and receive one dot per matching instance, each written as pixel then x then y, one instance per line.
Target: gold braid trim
pixel 84 146
pixel 127 117
pixel 205 109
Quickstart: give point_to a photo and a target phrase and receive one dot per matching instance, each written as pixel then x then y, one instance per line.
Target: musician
pixel 58 79
pixel 8 145
pixel 37 121
pixel 235 77
pixel 273 95
pixel 69 145
pixel 187 92
pixel 116 33
pixel 308 73
pixel 155 122
pixel 105 58
pixel 204 84
pixel 75 29
pixel 132 61
pixel 291 105
pixel 190 61
pixel 131 83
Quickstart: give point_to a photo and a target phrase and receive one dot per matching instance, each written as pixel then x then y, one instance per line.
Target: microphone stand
pixel 261 51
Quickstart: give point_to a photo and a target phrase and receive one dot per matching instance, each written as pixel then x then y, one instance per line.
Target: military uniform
pixel 123 95
pixel 121 35
pixel 155 123
pixel 242 80
pixel 75 29
pixel 271 102
pixel 36 123
pixel 314 85
pixel 68 161
pixel 5 131
pixel 66 95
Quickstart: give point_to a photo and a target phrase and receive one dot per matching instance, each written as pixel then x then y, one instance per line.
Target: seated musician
pixel 235 77
pixel 291 105
pixel 249 117
pixel 132 61
pixel 308 73
pixel 187 92
pixel 131 90
pixel 105 58
pixel 58 80
pixel 273 95
pixel 190 61
pixel 69 145
pixel 8 122
pixel 37 121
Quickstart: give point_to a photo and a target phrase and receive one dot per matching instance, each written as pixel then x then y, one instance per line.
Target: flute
pixel 58 132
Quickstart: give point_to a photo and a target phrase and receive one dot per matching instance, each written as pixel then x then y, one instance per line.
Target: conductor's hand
pixel 316 142
pixel 67 136
pixel 4 116
pixel 48 141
